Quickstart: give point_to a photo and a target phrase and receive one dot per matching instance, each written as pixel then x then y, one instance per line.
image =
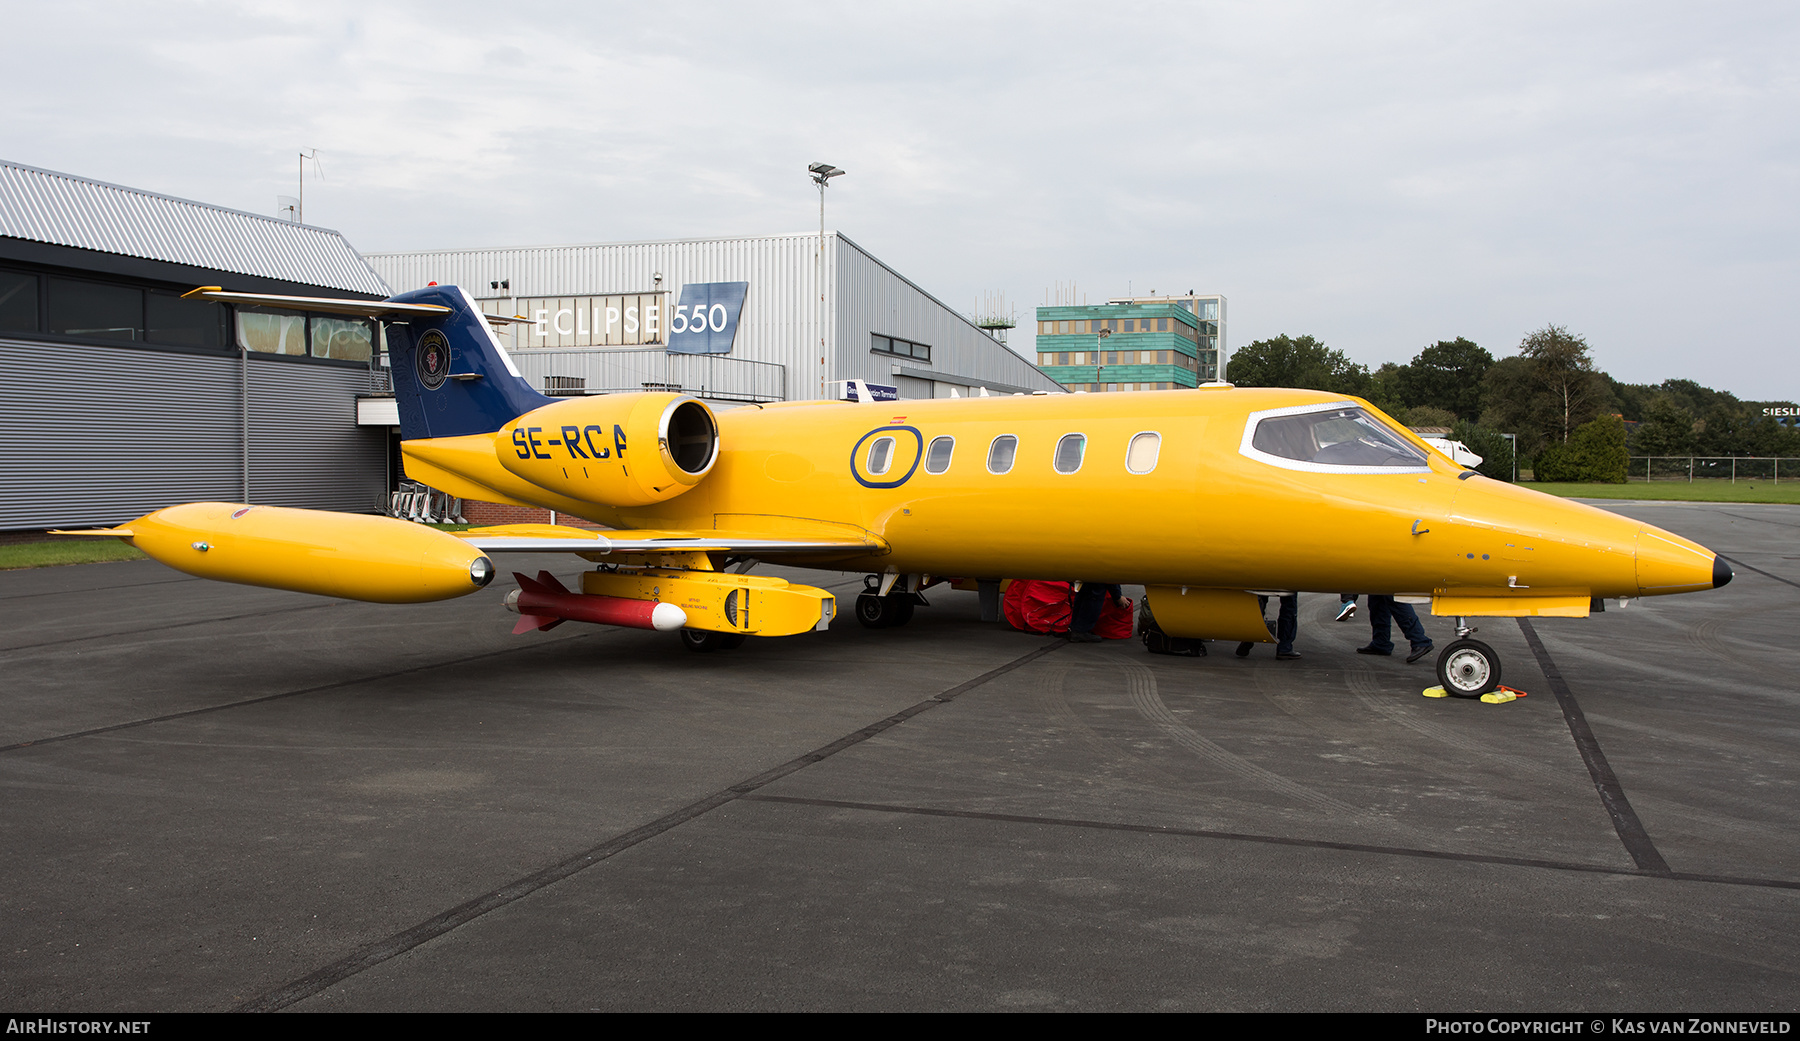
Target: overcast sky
pixel 1379 175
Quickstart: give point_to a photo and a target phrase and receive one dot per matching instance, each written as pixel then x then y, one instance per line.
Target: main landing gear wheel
pixel 879 612
pixel 705 641
pixel 1468 669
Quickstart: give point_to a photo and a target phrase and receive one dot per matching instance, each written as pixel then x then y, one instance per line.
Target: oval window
pixel 1069 452
pixel 937 457
pixel 1140 458
pixel 1001 452
pixel 881 455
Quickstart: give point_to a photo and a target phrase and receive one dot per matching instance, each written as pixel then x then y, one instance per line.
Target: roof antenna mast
pixel 300 203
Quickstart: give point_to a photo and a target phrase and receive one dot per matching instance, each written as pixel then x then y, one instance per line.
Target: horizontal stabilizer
pixel 364 308
pixel 114 533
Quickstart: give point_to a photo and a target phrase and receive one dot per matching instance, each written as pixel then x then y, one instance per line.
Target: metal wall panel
pixel 305 447
pixel 780 321
pixel 44 206
pixel 874 298
pixel 99 435
pixel 777 325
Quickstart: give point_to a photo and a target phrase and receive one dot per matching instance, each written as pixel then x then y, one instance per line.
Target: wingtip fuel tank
pixel 356 557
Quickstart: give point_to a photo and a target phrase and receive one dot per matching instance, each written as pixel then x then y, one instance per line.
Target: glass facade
pixel 1148 344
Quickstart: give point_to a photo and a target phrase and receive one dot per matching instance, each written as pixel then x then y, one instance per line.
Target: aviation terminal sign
pixel 706 319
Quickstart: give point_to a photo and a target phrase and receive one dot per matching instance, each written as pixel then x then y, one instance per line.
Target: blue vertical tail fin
pixel 451 375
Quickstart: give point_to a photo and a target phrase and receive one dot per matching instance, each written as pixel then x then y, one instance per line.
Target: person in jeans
pixel 1382 611
pixel 1287 626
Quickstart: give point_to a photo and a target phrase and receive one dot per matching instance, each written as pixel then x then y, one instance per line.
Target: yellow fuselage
pixel 1205 515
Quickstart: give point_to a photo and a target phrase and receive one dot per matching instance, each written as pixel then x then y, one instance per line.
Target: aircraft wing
pixel 550 538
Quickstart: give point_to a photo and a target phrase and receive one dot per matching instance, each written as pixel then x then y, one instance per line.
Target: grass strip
pixel 53 552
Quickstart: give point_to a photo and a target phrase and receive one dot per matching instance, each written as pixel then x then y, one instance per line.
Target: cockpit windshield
pixel 1345 437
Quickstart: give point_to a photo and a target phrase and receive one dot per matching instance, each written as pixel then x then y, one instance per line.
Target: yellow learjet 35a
pixel 1206 497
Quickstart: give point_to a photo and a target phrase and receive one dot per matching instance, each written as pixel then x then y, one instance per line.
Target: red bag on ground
pixel 1037 607
pixel 1117 623
pixel 1047 607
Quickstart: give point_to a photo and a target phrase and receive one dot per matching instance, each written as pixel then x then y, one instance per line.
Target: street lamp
pixel 1099 359
pixel 822 173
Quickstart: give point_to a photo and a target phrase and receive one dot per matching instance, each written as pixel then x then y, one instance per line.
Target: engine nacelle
pixel 613 449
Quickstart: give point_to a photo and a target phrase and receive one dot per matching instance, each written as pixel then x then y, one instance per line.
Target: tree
pixel 1667 428
pixel 1302 362
pixel 1569 391
pixel 1545 391
pixel 1426 416
pixel 1446 375
pixel 1595 452
pixel 1496 452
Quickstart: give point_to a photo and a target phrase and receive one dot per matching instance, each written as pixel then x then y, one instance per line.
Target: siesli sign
pixel 706 319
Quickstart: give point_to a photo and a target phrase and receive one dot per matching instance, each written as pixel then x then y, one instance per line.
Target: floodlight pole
pixel 822 173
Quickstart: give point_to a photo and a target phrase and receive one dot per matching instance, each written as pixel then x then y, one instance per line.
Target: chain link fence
pixel 1714 468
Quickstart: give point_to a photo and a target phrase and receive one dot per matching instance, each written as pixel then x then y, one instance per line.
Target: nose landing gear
pixel 1468 668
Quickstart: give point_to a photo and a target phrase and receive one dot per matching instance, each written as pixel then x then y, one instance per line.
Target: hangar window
pixel 1140 457
pixel 346 339
pixel 270 333
pixel 1001 452
pixel 896 346
pixel 881 455
pixel 96 310
pixel 18 302
pixel 334 337
pixel 937 457
pixel 186 323
pixel 1339 438
pixel 1069 452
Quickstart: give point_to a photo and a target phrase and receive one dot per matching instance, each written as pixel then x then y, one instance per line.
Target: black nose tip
pixel 1721 572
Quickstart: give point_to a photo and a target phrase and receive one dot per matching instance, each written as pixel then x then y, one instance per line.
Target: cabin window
pixel 1001 452
pixel 937 457
pixel 1069 452
pixel 881 455
pixel 1140 457
pixel 1335 438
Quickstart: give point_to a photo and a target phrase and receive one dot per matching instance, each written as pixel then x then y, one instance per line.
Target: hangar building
pixel 619 316
pixel 122 398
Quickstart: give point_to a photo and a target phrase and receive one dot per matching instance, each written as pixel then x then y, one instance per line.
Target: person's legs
pixel 1381 639
pixel 1287 626
pixel 1413 629
pixel 1346 606
pixel 1086 612
pixel 1262 604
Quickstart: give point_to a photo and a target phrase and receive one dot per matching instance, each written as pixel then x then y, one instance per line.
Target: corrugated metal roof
pixel 45 206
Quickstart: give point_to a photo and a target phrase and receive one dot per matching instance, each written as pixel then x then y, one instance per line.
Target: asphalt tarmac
pixel 217 797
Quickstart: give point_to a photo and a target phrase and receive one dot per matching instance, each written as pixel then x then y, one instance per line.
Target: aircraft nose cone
pixel 1721 572
pixel 1668 563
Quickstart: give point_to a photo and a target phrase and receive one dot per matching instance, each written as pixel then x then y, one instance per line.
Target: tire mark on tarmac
pixel 1368 690
pixel 1144 697
pixel 1612 795
pixel 1284 840
pixel 393 946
